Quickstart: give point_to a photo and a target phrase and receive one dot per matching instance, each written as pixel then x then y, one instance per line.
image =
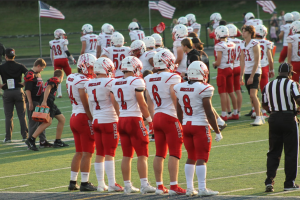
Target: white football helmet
pixel 180 31
pixel 107 28
pixel 138 44
pixel 191 18
pixel 117 39
pixel 158 39
pixel 149 42
pixel 183 20
pixel 197 71
pixel 232 30
pixel 296 15
pixel 164 59
pixel 133 26
pixel 288 17
pixel 215 17
pixel 132 64
pixel 87 28
pixel 86 61
pixel 249 15
pixel 59 33
pixel 221 31
pixel 104 66
pixel 295 26
pixel 102 27
pixel 260 30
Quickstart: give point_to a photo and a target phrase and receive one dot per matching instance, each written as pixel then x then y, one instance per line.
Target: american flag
pixel 165 9
pixel 267 6
pixel 49 11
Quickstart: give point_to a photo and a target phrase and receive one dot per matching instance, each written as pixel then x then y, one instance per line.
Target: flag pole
pixel 40 34
pixel 149 18
pixel 257 10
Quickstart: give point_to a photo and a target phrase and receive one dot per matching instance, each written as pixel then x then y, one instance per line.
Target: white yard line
pixel 12 152
pixel 14 187
pixel 284 192
pixel 51 188
pixel 236 190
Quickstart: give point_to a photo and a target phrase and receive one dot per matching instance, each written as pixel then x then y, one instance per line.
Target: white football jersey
pixel 265 45
pixel 91 43
pixel 145 60
pixel 227 49
pixel 98 90
pixel 58 48
pixel 158 86
pixel 136 35
pixel 75 82
pixel 190 29
pixel 190 98
pixel 249 56
pixel 182 66
pixel 195 25
pixel 104 40
pixel 286 30
pixel 117 54
pixel 237 51
pixel 124 92
pixel 159 49
pixel 254 22
pixel 295 41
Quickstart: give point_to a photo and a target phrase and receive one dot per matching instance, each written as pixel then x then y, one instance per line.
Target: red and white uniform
pixel 190 29
pixel 286 28
pixel 249 56
pixel 136 35
pixel 59 56
pixel 159 49
pixel 79 121
pixel 133 134
pixel 195 25
pixel 182 65
pixel 236 64
pixel 197 138
pixel 104 40
pixel 145 60
pixel 254 22
pixel 225 72
pixel 105 119
pixel 167 128
pixel 117 54
pixel 295 61
pixel 91 43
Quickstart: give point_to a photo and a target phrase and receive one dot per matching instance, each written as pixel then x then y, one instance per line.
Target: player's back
pixel 190 98
pixel 124 92
pixel 158 86
pixel 145 60
pixel 98 90
pixel 265 45
pixel 295 40
pixel 58 48
pixel 182 65
pixel 237 51
pixel 74 82
pixel 195 25
pixel 104 40
pixel 137 35
pixel 227 48
pixel 254 22
pixel 91 43
pixel 286 28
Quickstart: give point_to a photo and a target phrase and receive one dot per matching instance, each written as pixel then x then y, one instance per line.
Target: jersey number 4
pixel 121 96
pixel 187 105
pixel 70 92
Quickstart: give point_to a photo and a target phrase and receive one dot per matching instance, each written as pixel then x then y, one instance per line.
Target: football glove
pixel 207 24
pixel 218 137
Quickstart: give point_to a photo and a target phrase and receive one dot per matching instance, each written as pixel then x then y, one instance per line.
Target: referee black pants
pixel 283 133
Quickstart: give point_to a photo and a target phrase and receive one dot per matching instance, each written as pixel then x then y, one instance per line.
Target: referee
pixel 280 97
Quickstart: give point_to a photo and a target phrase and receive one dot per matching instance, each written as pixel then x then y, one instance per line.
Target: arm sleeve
pixel 24 69
pixel 173 79
pixel 105 52
pixel 82 38
pixel 289 39
pixel 99 39
pixel 281 28
pixel 28 85
pixel 219 47
pixel 68 53
pixel 207 92
pixel 270 45
pixel 131 36
pixel 80 83
pixel 139 84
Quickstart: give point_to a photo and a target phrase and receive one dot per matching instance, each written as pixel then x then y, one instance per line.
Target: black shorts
pixel 255 83
pixel 53 109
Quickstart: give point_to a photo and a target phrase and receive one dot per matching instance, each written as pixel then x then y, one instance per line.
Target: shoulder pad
pixel 29 76
pixel 54 80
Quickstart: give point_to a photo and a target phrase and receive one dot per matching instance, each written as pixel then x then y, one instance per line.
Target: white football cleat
pixel 130 189
pixel 147 189
pixel 59 96
pixel 207 192
pixel 101 188
pixel 115 188
pixel 257 122
pixel 191 192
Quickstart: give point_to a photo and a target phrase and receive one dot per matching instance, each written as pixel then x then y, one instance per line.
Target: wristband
pixel 149 119
pixel 271 70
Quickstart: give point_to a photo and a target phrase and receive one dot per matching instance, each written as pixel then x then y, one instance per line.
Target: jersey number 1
pixel 95 99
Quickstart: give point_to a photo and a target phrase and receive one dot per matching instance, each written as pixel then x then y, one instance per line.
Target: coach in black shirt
pixel 13 95
pixel 280 97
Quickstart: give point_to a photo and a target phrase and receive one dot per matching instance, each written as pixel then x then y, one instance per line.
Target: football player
pixel 105 122
pixel 134 32
pixel 266 59
pixel 285 31
pixel 59 54
pixel 293 50
pixel 184 21
pixel 193 24
pixel 104 38
pixel 167 128
pixel 251 67
pixel 194 98
pixel 138 48
pixel 129 93
pixel 117 52
pixel 158 42
pixel 296 15
pixel 88 40
pixel 147 57
pixel 225 58
pixel 81 123
pixel 179 33
pixel 250 20
pixel 233 31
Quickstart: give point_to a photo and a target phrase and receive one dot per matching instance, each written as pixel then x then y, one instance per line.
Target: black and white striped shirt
pixel 280 94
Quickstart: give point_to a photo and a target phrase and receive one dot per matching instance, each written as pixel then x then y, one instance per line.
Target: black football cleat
pixel 60 144
pixel 31 145
pixel 45 144
pixel 269 188
pixel 250 113
pixel 73 186
pixel 86 187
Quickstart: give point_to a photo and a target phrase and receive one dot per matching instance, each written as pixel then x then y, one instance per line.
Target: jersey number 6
pixel 156 95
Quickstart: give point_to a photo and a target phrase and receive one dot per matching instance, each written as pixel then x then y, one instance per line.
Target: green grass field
pixel 237 164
